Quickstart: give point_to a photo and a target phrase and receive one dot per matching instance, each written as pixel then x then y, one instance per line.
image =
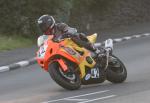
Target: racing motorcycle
pixel 71 66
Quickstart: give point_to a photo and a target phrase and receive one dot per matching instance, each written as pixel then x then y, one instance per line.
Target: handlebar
pixel 105 54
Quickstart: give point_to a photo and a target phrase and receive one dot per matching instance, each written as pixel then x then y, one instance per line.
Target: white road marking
pixel 137 36
pixel 4 68
pixel 118 40
pixel 75 99
pixel 76 96
pixel 127 37
pixel 90 94
pixel 146 34
pixel 97 44
pixel 98 99
pixel 23 63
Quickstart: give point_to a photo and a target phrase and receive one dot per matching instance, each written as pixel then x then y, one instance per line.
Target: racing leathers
pixel 62 30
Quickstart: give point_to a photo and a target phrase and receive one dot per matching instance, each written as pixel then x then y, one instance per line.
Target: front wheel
pixel 69 80
pixel 116 71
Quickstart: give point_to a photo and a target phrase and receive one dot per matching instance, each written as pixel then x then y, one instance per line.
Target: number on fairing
pixel 42 51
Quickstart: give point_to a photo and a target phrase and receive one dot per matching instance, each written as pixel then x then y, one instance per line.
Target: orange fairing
pixel 53 49
pixel 62 64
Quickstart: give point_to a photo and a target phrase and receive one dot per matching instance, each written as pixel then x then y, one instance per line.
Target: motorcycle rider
pixel 48 26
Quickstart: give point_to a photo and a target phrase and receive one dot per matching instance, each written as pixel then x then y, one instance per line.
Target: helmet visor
pixel 49 31
pixel 43 27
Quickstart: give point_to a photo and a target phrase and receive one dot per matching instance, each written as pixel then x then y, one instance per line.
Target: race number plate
pixel 42 51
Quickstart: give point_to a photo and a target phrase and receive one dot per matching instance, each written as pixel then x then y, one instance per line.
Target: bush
pixel 18 17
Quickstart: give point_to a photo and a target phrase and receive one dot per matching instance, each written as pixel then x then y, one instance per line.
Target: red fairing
pixel 51 49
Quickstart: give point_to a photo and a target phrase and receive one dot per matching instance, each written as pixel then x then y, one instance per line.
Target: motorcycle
pixel 71 66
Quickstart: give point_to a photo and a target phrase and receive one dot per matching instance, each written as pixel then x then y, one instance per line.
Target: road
pixel 13 56
pixel 33 85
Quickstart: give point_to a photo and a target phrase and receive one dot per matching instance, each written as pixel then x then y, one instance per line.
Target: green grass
pixel 13 42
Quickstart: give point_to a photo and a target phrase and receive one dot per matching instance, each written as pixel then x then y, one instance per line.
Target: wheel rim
pixel 117 67
pixel 69 75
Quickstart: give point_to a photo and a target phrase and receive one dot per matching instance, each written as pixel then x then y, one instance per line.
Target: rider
pixel 48 26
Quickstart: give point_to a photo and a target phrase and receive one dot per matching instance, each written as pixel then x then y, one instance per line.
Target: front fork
pixel 62 64
pixel 107 59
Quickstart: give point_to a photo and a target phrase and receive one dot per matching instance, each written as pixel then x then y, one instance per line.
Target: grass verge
pixel 13 42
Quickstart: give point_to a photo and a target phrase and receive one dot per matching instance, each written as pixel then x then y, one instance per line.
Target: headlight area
pixel 69 50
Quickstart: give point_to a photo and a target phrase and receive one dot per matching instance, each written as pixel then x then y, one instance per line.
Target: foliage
pixel 98 15
pixel 12 42
pixel 18 17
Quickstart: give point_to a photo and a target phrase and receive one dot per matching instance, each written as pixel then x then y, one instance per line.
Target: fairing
pixel 54 50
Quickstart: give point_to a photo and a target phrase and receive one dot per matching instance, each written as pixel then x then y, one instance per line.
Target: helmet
pixel 46 24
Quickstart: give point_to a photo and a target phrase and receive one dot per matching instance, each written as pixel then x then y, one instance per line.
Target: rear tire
pixel 116 74
pixel 55 73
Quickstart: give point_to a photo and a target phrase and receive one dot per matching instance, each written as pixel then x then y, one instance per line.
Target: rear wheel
pixel 116 71
pixel 69 80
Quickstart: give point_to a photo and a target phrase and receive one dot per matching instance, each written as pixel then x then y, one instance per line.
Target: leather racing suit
pixel 62 30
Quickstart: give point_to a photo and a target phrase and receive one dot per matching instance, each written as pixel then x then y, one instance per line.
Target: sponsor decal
pixel 88 76
pixel 95 73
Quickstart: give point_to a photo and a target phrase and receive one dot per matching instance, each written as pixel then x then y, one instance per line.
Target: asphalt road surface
pixel 33 85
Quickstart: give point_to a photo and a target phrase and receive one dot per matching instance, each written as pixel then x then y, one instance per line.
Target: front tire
pixel 116 72
pixel 56 74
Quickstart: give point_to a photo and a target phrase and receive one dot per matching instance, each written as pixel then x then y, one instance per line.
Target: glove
pixel 71 31
pixel 97 51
